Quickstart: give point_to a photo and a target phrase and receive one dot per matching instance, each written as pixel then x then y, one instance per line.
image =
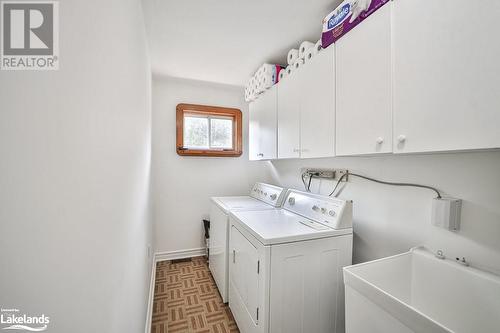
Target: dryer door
pixel 244 280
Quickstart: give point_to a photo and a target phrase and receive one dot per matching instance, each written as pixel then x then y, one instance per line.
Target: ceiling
pixel 225 41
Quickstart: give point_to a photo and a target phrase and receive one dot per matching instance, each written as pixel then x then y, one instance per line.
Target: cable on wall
pixel 383 182
pixel 311 175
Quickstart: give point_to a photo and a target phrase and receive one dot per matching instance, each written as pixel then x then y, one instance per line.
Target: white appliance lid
pixel 277 226
pixel 240 203
pixel 262 196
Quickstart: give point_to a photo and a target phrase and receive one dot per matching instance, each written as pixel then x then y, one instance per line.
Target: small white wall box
pixel 446 213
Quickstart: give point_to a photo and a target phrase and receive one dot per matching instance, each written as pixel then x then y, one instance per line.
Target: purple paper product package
pixel 345 17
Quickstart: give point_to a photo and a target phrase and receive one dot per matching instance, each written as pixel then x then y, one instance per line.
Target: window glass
pixel 221 133
pixel 203 130
pixel 196 132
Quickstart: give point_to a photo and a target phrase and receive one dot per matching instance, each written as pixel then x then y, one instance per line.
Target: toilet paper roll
pixel 309 55
pixel 289 70
pixel 297 64
pixel 268 69
pixel 282 74
pixel 318 47
pixel 304 46
pixel 293 55
pixel 267 82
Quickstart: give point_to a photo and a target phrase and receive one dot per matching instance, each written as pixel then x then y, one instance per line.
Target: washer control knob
pixel 273 196
pixel 331 213
pixel 323 210
pixel 315 208
pixel 291 201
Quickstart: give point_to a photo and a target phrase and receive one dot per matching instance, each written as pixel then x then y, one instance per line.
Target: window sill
pixel 209 153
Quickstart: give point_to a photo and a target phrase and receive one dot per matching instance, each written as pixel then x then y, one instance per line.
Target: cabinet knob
pixel 260 154
pixel 380 140
pixel 402 138
pixel 296 150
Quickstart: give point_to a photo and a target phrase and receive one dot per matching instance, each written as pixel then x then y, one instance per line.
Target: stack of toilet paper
pixel 266 76
pixel 301 56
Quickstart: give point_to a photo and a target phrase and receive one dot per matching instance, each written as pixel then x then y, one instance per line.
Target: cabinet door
pixel 446 75
pixel 268 124
pixel 289 116
pixel 317 106
pixel 262 126
pixel 254 109
pixel 364 105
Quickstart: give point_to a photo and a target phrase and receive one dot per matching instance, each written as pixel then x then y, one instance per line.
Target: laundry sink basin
pixel 417 292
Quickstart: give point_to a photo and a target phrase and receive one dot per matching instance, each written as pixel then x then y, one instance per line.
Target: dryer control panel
pixel 270 194
pixel 333 212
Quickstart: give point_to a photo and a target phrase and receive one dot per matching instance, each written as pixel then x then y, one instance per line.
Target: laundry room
pixel 255 167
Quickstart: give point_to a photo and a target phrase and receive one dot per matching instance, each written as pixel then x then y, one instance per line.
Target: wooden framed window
pixel 208 131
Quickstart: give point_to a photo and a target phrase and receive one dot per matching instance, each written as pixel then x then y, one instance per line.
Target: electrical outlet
pixel 321 173
pixel 331 174
pixel 340 173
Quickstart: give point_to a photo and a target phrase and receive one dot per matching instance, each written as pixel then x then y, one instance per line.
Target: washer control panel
pixel 270 194
pixel 332 212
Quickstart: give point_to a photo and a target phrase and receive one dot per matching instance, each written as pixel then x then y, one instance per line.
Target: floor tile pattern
pixel 186 300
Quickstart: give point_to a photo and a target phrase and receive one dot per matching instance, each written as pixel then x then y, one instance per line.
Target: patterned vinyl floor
pixel 186 300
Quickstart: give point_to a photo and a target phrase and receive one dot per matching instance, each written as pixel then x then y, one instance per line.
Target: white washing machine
pixel 285 272
pixel 262 197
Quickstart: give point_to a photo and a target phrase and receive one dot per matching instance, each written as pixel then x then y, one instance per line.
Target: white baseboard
pixel 161 256
pixel 180 254
pixel 149 312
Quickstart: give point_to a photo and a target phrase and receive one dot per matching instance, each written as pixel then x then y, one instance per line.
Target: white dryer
pixel 286 265
pixel 262 197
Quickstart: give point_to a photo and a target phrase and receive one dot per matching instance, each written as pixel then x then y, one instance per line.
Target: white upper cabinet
pixel 363 100
pixel 306 109
pixel 289 116
pixel 253 130
pixel 446 75
pixel 262 126
pixel 317 106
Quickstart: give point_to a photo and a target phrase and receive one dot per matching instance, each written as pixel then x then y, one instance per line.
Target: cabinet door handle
pixel 380 140
pixel 402 138
pixel 234 256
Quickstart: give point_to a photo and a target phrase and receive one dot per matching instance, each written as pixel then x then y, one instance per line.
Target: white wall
pixel 183 185
pixel 389 220
pixel 74 175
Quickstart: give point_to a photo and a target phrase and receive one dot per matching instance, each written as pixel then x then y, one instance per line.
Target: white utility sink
pixel 417 292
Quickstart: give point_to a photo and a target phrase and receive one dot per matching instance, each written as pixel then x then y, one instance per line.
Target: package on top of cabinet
pixel 345 17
